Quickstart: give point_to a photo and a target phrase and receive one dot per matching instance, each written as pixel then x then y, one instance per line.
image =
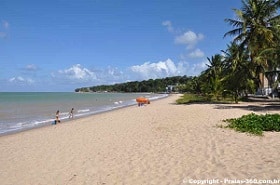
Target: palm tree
pixel 213 76
pixel 237 76
pixel 254 29
pixel 273 51
pixel 272 54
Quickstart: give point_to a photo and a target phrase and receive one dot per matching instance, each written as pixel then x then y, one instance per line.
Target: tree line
pixel 151 85
pixel 254 53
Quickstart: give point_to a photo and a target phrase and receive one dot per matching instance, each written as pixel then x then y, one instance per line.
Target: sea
pixel 27 110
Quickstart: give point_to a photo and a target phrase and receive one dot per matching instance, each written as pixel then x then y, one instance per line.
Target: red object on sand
pixel 143 100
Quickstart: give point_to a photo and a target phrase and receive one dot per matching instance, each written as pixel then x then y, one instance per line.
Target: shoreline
pixel 49 123
pixel 64 121
pixel 161 143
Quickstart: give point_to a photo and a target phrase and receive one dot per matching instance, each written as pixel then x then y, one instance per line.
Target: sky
pixel 60 45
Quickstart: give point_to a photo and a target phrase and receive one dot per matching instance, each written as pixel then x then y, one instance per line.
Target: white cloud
pixel 196 54
pixel 21 80
pixel 199 67
pixel 31 67
pixel 189 38
pixel 77 72
pixel 111 75
pixel 159 69
pixel 152 70
pixel 114 72
pixel 169 26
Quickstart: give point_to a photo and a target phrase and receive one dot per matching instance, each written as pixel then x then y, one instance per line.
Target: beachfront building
pixel 263 88
pixel 269 84
pixel 171 88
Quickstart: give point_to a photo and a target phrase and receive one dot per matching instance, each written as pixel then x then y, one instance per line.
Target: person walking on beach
pixel 57 120
pixel 71 113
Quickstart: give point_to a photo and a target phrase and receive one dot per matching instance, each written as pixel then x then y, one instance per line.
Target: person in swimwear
pixel 71 113
pixel 57 120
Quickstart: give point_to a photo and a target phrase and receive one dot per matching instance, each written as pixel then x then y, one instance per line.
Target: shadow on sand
pixel 256 106
pixel 259 107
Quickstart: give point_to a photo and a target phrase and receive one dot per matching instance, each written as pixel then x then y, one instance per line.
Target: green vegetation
pixel 196 98
pixel 248 57
pixel 191 98
pixel 253 53
pixel 157 85
pixel 255 124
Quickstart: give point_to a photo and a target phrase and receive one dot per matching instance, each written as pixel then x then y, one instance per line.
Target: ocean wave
pixel 83 110
pixel 118 102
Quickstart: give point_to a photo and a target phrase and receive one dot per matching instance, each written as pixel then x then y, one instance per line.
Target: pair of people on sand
pixel 57 120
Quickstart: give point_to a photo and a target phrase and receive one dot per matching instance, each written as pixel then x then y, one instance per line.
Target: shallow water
pixel 25 110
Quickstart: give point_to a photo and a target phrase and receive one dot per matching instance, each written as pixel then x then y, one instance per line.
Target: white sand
pixel 161 143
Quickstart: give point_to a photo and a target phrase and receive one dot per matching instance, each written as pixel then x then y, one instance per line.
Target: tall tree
pixel 272 54
pixel 214 76
pixel 238 78
pixel 254 29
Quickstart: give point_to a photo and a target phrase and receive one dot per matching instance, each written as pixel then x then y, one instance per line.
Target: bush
pixel 255 124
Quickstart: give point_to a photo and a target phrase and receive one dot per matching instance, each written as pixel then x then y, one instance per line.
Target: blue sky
pixel 59 45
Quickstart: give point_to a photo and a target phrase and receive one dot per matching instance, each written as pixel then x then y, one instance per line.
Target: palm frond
pixel 234 32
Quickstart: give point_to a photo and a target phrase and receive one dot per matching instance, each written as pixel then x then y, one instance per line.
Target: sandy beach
pixel 161 143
